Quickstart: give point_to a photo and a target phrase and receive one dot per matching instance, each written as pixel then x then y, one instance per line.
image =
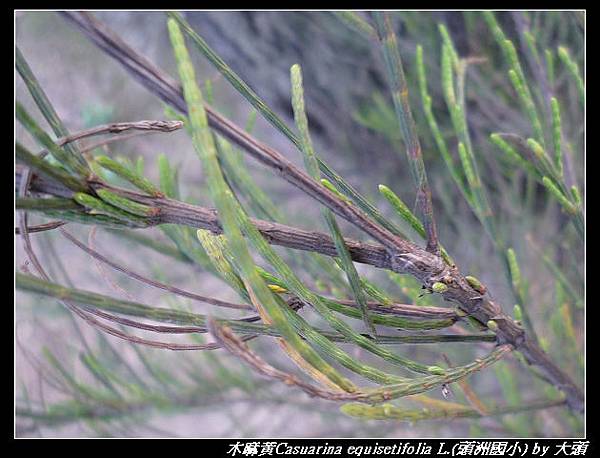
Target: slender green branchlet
pixel 465 159
pixel 566 204
pixel 435 129
pixel 527 102
pixel 312 167
pixel 447 76
pixel 325 182
pixel 99 206
pixel 573 68
pixel 44 167
pixel 357 23
pixel 168 185
pixel 512 153
pixel 74 164
pixel 402 209
pixel 126 204
pixel 310 161
pixel 407 215
pixel 513 59
pixel 129 175
pixel 515 271
pixel 537 149
pixel 229 211
pixel 576 195
pixel 447 40
pixel 75 160
pixel 556 135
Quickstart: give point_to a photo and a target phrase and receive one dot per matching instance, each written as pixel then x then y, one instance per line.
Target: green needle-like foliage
pixel 407 215
pixel 128 174
pixel 48 170
pixel 573 69
pixel 125 204
pixel 259 104
pixel 516 74
pixel 357 23
pixel 557 136
pixel 102 207
pixel 496 122
pixel 43 103
pixel 205 147
pixel 392 412
pixel 292 281
pixel 44 140
pixel 567 205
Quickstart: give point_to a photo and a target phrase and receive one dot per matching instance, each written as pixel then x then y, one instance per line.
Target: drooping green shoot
pixel 312 167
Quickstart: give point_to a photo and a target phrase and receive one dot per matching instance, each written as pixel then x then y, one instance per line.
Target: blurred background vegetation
pixel 60 361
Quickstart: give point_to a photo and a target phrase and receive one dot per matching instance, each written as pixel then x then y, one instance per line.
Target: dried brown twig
pixel 42 227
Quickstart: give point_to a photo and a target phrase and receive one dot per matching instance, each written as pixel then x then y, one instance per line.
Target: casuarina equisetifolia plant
pixel 431 311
